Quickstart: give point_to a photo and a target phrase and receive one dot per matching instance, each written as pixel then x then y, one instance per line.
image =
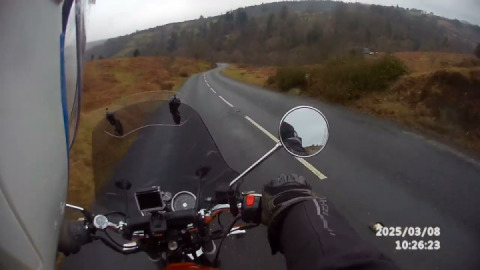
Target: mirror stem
pixel 269 153
pixel 74 207
pixel 87 214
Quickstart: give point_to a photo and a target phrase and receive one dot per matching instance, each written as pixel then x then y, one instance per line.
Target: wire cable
pixel 215 261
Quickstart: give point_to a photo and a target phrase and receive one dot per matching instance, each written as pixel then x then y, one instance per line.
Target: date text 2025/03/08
pixel 419 232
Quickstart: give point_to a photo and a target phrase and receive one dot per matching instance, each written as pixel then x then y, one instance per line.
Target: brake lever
pixel 237 232
pixel 129 250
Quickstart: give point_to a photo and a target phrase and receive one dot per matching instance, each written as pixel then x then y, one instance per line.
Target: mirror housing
pixel 303 131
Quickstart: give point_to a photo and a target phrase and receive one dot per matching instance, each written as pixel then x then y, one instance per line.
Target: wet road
pixel 373 170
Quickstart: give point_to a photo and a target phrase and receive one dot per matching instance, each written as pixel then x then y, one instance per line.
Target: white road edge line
pixel 305 163
pixel 262 129
pixel 224 100
pixel 205 79
pixel 312 168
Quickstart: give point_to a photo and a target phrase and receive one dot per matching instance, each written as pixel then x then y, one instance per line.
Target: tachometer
pixel 183 200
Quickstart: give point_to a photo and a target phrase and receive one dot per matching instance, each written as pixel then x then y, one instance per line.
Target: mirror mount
pixel 277 146
pixel 81 209
pixel 86 213
pixel 303 132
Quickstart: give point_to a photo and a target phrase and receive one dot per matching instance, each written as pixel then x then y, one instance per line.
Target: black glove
pixel 278 196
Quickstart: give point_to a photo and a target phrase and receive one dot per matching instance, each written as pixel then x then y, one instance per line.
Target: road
pixel 372 170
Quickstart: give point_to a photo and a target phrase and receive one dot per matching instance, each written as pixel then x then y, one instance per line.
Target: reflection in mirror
pixel 304 131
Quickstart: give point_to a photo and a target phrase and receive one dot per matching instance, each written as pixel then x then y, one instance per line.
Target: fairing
pixel 155 151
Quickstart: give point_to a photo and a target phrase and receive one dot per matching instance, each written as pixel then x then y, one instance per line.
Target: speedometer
pixel 183 200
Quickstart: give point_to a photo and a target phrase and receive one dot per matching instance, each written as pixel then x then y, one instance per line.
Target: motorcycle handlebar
pixel 74 234
pixel 180 218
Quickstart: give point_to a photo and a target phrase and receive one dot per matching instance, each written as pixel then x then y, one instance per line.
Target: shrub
pixel 346 79
pixel 136 53
pixel 271 80
pixel 289 77
pixel 477 51
pixel 468 62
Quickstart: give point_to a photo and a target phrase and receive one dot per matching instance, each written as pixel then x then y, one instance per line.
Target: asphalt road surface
pixel 372 170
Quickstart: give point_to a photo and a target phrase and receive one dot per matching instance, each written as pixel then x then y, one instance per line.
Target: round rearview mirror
pixel 303 131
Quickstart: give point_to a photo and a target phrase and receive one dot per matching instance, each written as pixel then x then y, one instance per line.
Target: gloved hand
pixel 278 196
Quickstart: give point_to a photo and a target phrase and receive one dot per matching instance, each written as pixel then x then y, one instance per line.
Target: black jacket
pixel 315 236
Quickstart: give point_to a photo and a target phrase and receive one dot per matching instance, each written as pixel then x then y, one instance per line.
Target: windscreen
pixel 143 144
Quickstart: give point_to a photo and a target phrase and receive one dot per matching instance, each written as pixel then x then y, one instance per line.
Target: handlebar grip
pixel 136 223
pixel 73 236
pixel 180 218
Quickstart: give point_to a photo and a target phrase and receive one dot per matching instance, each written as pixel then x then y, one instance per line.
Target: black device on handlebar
pixel 149 200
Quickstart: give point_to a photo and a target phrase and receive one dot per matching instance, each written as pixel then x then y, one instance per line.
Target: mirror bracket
pixel 87 214
pixel 277 146
pixel 74 207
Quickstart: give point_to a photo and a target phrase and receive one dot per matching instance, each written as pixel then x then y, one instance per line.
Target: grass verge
pixel 440 95
pixel 106 81
pixel 257 76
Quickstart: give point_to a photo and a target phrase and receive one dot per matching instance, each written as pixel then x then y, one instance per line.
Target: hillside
pixel 298 33
pixel 95 43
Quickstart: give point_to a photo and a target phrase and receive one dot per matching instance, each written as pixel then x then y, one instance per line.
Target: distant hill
pixel 92 44
pixel 298 33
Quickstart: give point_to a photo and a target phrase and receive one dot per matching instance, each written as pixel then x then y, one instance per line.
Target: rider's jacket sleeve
pixel 315 236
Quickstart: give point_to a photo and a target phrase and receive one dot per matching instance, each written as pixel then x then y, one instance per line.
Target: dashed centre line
pixel 224 100
pixel 205 79
pixel 305 163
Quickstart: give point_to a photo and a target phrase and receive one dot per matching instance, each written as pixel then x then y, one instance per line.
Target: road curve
pixel 373 170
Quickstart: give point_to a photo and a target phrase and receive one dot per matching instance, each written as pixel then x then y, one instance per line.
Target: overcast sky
pixel 111 18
